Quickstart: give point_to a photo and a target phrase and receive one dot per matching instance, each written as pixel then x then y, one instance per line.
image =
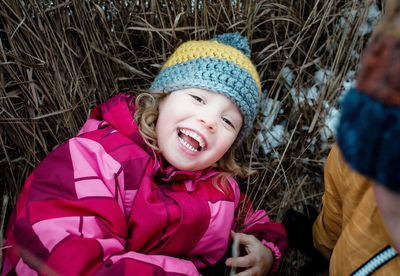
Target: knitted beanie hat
pixel 221 65
pixel 369 128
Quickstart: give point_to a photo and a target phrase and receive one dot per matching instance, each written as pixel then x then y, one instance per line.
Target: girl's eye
pixel 228 122
pixel 198 99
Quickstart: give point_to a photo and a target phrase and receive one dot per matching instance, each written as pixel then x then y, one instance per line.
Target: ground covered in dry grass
pixel 58 59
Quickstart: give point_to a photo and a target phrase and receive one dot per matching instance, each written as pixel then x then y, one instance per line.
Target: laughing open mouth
pixel 191 140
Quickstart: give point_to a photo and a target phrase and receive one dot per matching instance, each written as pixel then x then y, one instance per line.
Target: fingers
pixel 245 261
pixel 248 272
pixel 259 259
pixel 244 238
pixel 251 268
pixel 252 246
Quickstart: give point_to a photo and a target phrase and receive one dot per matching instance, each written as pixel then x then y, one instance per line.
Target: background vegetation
pixel 58 59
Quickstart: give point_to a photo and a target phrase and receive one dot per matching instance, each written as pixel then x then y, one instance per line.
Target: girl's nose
pixel 209 122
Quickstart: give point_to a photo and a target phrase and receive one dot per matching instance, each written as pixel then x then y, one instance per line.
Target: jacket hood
pixel 118 111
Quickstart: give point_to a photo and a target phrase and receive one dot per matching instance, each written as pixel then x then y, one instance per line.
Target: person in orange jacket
pixel 358 227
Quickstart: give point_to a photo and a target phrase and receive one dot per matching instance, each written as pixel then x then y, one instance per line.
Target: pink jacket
pixel 101 204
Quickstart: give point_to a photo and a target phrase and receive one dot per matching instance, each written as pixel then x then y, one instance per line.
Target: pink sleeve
pixel 70 219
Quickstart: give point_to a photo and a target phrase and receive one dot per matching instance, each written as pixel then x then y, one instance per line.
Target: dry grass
pixel 58 59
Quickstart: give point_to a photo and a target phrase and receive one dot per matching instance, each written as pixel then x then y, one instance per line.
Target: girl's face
pixel 196 127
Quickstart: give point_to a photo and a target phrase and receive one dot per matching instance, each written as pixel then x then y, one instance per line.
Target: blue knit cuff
pixel 368 136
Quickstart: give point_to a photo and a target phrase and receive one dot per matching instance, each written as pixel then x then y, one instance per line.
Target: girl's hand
pixel 259 258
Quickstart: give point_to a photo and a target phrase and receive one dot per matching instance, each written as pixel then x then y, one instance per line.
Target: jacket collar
pixel 165 172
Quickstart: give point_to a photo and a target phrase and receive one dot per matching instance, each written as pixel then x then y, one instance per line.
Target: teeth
pixel 194 136
pixel 187 145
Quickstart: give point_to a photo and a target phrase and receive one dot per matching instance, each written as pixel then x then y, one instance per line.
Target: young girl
pixel 147 188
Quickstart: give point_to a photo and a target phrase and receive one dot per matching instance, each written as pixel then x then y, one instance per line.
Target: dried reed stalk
pixel 58 59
